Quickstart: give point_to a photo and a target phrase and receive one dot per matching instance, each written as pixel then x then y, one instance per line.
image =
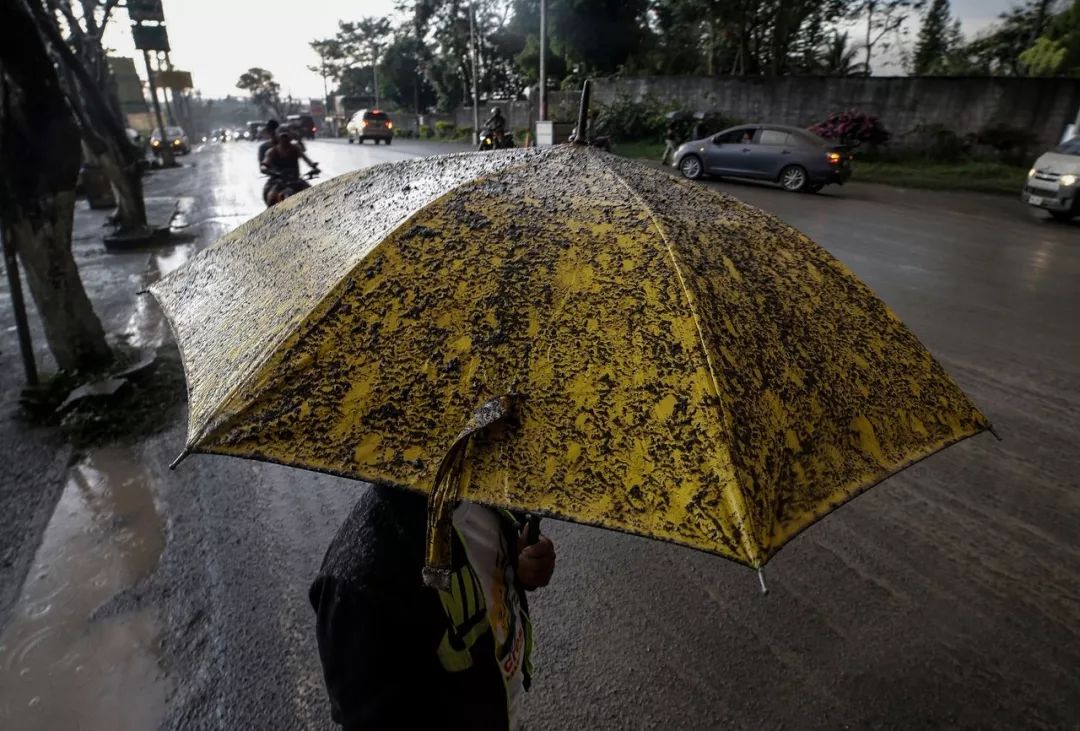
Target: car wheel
pixel 691 167
pixel 1062 215
pixel 793 178
pixel 389 140
pixel 350 140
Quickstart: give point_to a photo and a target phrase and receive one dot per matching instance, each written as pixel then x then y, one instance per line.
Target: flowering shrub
pixel 852 127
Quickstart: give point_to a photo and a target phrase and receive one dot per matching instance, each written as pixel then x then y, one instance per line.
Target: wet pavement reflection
pixel 62 667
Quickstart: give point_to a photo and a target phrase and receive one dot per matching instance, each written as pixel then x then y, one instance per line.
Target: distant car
pixel 175 139
pixel 254 129
pixel 219 135
pixel 798 160
pixel 370 124
pixel 301 125
pixel 1053 183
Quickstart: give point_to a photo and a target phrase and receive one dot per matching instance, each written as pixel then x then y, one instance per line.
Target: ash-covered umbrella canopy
pixel 688 367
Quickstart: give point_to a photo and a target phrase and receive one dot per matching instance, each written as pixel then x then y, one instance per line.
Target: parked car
pixel 798 160
pixel 370 124
pixel 302 125
pixel 1053 183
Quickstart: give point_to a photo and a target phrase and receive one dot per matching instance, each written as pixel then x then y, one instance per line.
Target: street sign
pixel 140 10
pixel 174 79
pixel 150 37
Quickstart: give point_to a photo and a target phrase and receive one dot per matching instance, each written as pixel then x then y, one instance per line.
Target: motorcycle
pixel 287 184
pixel 489 140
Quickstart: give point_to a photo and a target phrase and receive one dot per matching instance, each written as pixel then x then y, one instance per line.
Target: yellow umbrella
pixel 678 364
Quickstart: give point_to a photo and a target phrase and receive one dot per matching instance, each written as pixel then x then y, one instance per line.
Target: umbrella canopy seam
pixel 326 304
pixel 738 506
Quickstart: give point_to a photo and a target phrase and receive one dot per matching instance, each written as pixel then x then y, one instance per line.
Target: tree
pixel 265 92
pixel 932 47
pixel 73 30
pixel 1057 50
pixel 837 57
pixel 998 50
pixel 883 19
pixel 362 42
pixel 39 164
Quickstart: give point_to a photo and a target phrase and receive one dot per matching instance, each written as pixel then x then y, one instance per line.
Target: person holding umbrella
pixel 397 654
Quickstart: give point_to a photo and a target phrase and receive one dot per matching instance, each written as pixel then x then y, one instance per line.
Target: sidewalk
pixel 32 474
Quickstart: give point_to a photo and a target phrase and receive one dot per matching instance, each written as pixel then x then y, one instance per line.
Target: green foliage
pixel 265 92
pixel 985 177
pixel 936 143
pixel 426 133
pixel 1045 58
pixel 938 38
pixel 1010 143
pixel 444 129
pixel 626 119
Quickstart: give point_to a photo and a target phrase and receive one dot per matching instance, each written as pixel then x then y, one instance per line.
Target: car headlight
pixel 1031 173
pixel 1068 179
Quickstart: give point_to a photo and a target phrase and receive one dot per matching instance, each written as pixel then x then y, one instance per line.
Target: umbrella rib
pixel 316 314
pixel 741 508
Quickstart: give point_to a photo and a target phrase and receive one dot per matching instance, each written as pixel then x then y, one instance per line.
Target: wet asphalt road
pixel 948 596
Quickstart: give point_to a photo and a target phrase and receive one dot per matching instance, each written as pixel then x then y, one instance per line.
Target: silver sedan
pixel 796 159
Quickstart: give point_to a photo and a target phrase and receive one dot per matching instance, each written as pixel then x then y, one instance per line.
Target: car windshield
pixel 1069 147
pixel 172 132
pixel 375 115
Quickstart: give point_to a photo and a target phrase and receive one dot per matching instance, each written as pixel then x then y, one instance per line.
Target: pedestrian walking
pixel 397 654
pixel 671 141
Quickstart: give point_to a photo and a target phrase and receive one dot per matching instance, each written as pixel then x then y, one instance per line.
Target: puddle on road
pixel 59 669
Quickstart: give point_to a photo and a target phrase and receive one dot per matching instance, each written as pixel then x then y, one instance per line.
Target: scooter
pixel 490 141
pixel 287 184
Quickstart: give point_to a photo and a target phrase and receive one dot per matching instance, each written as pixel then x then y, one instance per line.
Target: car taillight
pixel 313 130
pixel 389 125
pixel 364 123
pixel 834 157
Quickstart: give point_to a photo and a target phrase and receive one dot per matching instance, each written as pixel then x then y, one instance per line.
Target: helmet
pixel 496 112
pixel 272 125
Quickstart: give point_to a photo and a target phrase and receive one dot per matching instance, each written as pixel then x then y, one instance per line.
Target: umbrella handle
pixel 532 530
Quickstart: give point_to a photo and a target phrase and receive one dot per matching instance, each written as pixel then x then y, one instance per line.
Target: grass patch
pixel 642 149
pixel 982 177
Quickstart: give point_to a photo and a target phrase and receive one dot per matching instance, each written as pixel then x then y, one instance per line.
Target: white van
pixel 1054 182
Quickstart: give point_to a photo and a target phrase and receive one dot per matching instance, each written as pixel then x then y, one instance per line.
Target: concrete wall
pixel 964 105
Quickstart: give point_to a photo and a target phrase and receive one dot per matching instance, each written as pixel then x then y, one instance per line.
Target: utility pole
pixel 166 153
pixel 475 90
pixel 542 115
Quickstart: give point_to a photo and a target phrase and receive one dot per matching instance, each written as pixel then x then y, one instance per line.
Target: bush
pixel 1010 143
pixel 625 119
pixel 937 143
pixel 463 133
pixel 405 133
pixel 444 129
pixel 852 127
pixel 426 133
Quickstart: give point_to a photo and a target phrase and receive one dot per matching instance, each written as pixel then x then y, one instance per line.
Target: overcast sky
pixel 217 40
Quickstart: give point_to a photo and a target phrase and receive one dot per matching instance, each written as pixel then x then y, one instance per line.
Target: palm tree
pixel 838 58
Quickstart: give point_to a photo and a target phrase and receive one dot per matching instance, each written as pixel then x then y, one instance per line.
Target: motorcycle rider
pixel 282 163
pixel 496 124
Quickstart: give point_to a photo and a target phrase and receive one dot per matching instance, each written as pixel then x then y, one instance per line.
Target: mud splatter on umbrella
pixel 686 367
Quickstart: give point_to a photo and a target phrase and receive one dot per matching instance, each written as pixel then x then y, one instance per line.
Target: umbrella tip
pixel 761 579
pixel 179 458
pixel 994 432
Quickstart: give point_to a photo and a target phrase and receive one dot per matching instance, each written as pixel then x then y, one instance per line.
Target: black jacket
pixel 379 627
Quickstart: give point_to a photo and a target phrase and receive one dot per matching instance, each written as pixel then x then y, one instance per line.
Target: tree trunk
pixel 39 164
pixel 43 242
pixel 86 82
